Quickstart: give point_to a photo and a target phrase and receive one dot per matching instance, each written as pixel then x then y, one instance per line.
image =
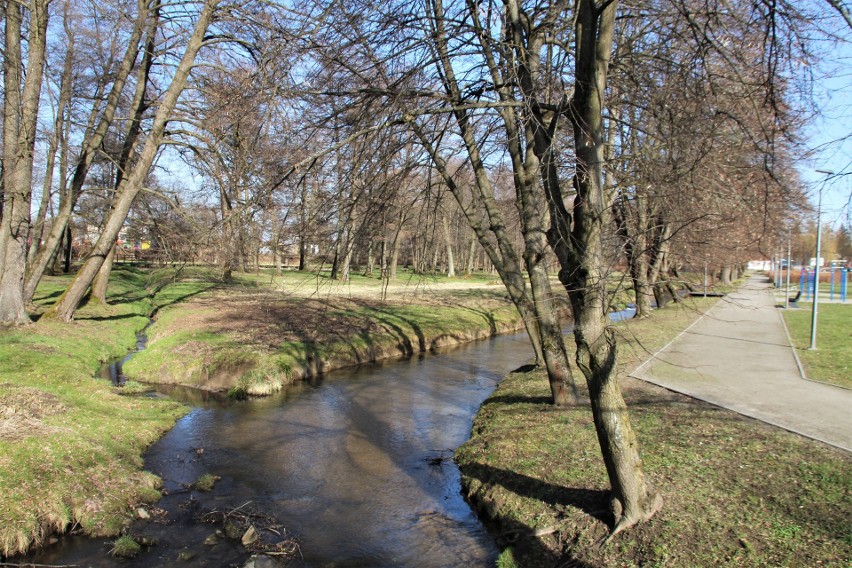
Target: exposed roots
pixel 626 521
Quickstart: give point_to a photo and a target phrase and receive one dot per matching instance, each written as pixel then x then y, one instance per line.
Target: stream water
pixel 357 466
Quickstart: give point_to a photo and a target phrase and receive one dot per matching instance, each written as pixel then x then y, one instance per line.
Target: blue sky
pixel 830 135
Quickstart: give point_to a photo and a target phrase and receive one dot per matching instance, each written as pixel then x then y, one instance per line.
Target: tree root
pixel 624 522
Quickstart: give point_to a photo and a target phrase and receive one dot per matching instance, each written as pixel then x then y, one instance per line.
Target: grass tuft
pixel 125 547
pixel 206 482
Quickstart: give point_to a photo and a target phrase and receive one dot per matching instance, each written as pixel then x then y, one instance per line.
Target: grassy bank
pixel 737 492
pixel 831 362
pixel 261 333
pixel 70 445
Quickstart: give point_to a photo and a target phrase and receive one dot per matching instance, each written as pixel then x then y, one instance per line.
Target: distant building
pixel 760 265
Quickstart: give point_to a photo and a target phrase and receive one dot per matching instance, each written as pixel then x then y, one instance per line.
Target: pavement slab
pixel 738 356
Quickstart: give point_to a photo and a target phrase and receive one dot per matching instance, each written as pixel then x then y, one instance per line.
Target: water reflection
pixel 357 466
pixel 351 465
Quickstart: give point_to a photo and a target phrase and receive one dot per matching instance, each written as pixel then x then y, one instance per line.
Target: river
pixel 357 466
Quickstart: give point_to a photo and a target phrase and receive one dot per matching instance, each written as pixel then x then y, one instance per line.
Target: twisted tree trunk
pixel 577 238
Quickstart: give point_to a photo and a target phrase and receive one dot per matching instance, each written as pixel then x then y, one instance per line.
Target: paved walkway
pixel 738 356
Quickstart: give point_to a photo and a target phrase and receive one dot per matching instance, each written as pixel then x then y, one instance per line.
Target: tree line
pixel 525 137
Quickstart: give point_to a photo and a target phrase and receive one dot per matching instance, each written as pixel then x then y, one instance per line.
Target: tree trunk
pixel 471 257
pixel 69 301
pixel 276 252
pixel 12 63
pixel 44 205
pixel 69 250
pixel 577 238
pixel 370 261
pixel 101 281
pixel 451 264
pixel 394 260
pixel 18 171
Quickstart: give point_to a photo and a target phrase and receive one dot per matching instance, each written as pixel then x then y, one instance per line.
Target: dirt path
pixel 738 356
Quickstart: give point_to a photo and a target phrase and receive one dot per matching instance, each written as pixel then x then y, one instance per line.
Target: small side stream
pixel 113 371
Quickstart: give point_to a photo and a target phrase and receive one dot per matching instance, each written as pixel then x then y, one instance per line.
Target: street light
pixel 789 265
pixel 818 252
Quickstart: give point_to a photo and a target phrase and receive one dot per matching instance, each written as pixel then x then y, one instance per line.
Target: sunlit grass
pixel 71 445
pixel 736 492
pixel 220 342
pixel 831 362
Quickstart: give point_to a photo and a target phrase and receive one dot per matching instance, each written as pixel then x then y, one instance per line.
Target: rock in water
pixel 261 561
pixel 250 536
pixel 232 530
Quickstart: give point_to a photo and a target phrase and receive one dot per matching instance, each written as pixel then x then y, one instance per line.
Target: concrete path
pixel 738 356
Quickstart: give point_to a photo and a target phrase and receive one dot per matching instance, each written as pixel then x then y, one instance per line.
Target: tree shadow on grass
pixel 115 317
pixel 530 549
pixel 44 297
pixel 519 399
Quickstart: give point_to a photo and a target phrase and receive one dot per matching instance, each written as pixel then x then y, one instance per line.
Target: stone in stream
pixel 250 536
pixel 232 530
pixel 261 561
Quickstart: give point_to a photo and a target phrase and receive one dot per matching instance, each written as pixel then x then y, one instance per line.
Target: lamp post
pixel 816 263
pixel 789 266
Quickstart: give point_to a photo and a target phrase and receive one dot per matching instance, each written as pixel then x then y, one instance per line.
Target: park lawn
pixel 736 492
pixel 262 332
pixel 831 362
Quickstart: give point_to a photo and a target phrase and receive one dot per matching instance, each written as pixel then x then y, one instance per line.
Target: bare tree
pixel 68 302
pixel 100 117
pixel 20 119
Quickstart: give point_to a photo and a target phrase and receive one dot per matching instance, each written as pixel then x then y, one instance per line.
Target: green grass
pixel 71 445
pixel 206 482
pixel 125 547
pixel 831 362
pixel 254 339
pixel 736 492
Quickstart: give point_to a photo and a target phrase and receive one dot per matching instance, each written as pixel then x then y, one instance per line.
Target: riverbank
pixel 736 491
pixel 257 336
pixel 69 461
